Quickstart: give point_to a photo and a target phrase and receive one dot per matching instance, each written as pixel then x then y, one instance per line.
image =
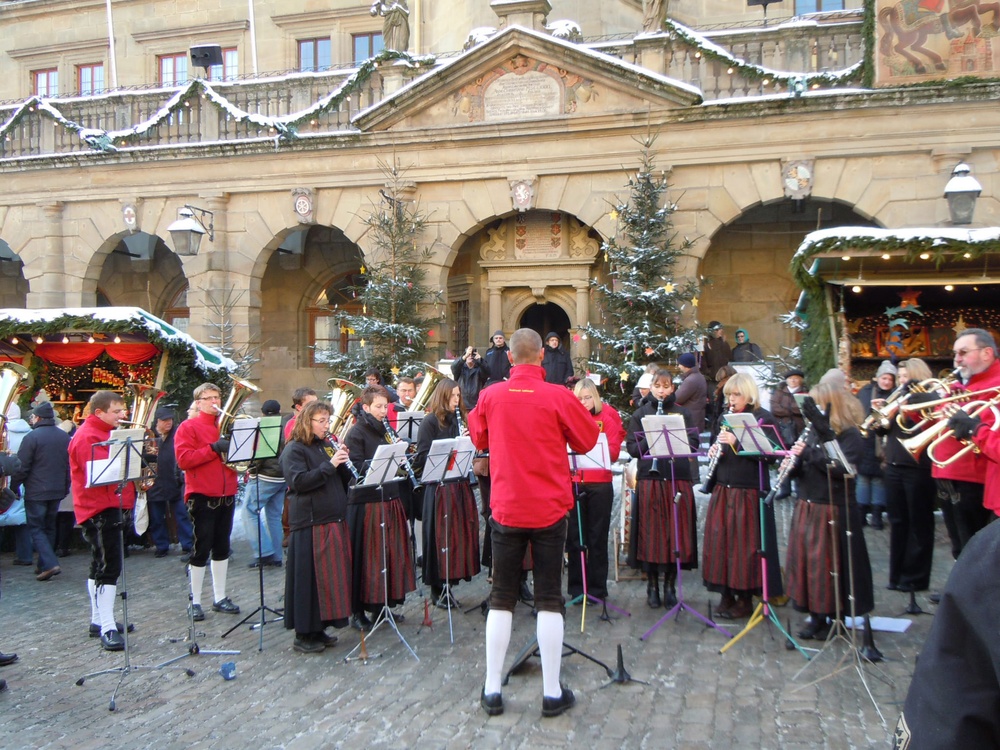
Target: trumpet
pixel 880 417
pixel 928 409
pixel 930 385
pixel 933 437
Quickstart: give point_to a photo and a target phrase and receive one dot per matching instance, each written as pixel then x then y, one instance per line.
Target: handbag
pixel 140 515
pixel 15 515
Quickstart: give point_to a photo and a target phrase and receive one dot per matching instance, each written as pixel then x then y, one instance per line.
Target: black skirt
pixel 318 578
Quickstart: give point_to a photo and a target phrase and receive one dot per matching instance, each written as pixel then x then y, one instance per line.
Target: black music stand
pixel 676 440
pixel 407 427
pixel 256 439
pixel 118 469
pixel 579 462
pixel 449 461
pixel 382 468
pixel 763 612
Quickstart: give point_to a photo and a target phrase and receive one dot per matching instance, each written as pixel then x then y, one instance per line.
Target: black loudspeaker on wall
pixel 206 55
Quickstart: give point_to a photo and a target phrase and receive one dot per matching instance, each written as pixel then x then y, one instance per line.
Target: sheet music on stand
pixel 447 459
pixel 408 424
pixel 256 437
pixel 384 464
pixel 751 436
pixel 110 470
pixel 667 436
pixel 598 457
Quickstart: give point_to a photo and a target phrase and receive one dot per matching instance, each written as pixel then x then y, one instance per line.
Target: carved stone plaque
pixel 538 236
pixel 528 95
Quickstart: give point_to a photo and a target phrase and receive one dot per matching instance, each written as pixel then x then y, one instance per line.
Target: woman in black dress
pixel 451 519
pixel 318 572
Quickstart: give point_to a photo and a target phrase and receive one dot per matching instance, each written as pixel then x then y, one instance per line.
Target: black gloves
pixel 10 464
pixel 818 420
pixel 963 425
pixel 221 446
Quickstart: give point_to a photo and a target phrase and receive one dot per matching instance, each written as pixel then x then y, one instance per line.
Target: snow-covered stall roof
pixel 205 356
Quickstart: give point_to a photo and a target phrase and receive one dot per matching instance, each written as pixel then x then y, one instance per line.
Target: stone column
pixel 496 310
pixel 49 288
pixel 531 14
pixel 653 52
pixel 581 348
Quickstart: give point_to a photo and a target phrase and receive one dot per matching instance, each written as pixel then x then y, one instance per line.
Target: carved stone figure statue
pixel 396 26
pixel 654 13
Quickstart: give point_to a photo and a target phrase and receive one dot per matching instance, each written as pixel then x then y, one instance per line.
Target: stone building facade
pixel 515 149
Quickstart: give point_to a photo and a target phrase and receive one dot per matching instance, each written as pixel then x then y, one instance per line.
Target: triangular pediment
pixel 521 75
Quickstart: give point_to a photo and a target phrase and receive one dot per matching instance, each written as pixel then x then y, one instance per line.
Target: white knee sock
pixel 106 607
pixel 197 580
pixel 498 625
pixel 418 536
pixel 219 570
pixel 549 631
pixel 95 617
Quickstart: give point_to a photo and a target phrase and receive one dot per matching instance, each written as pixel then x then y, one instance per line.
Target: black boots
pixel 669 592
pixel 653 590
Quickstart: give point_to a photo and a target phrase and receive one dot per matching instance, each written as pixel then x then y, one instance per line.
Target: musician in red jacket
pixel 962 484
pixel 99 511
pixel 210 491
pixel 526 423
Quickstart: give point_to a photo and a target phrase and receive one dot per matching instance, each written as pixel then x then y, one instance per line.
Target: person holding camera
pixel 469 372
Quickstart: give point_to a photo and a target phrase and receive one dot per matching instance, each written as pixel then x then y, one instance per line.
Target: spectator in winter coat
pixel 692 392
pixel 744 351
pixel 497 358
pixel 870 487
pixel 469 371
pixel 556 363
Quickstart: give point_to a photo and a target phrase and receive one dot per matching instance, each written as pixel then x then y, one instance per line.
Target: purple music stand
pixel 681 605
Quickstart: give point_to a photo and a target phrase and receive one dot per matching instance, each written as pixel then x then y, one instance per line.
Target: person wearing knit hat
pixel 497 359
pixel 44 474
pixel 557 364
pixel 166 492
pixel 870 483
pixel 692 392
pixel 265 503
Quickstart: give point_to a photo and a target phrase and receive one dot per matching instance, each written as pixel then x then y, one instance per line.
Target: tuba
pixel 240 392
pixel 343 396
pixel 144 400
pixel 432 376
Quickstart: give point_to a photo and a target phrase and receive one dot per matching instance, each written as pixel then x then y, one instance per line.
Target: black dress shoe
pixel 226 605
pixel 669 596
pixel 328 641
pixel 256 563
pixel 492 704
pixel 198 614
pixel 305 645
pixel 555 706
pixel 112 641
pixel 7 659
pixel 273 562
pixel 361 622
pixel 95 630
pixel 3 686
pixel 817 628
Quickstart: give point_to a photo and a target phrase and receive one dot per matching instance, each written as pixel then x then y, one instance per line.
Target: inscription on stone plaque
pixel 514 97
pixel 538 236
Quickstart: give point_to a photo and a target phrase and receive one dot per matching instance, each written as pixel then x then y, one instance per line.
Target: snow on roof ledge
pixel 206 357
pixel 843 236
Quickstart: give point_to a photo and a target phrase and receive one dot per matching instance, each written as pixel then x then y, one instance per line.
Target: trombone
pixel 933 437
pixel 931 385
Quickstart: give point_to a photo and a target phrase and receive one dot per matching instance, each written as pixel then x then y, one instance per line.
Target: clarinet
pixel 713 462
pixel 789 463
pixel 458 421
pixel 393 438
pixel 655 468
pixel 332 440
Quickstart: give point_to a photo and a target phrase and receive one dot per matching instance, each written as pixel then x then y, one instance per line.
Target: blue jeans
pixel 871 491
pixel 509 546
pixel 158 524
pixel 265 499
pixel 41 516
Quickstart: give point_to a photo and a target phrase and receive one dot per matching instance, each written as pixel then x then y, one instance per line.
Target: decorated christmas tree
pixel 647 314
pixel 391 329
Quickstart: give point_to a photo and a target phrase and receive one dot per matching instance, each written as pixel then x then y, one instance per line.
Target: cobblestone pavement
pixel 696 698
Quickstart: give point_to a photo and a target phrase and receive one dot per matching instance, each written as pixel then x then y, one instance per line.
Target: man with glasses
pixel 210 491
pixel 961 484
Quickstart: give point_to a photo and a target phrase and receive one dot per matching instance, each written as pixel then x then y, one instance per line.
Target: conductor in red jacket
pixel 210 491
pixel 99 511
pixel 526 423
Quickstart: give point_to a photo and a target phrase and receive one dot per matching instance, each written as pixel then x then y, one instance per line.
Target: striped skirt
pixel 652 537
pixel 816 539
pixel 368 554
pixel 458 533
pixel 732 538
pixel 318 578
